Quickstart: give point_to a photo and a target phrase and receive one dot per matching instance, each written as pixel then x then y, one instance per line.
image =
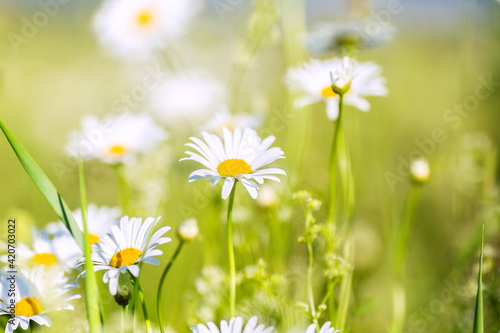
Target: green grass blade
pixel 94 315
pixel 478 314
pixel 44 184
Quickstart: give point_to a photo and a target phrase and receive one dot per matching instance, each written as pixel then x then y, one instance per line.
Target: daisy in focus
pixel 186 97
pixel 314 81
pixel 133 29
pixel 116 138
pixel 237 158
pixel 324 329
pixel 125 247
pixel 47 252
pixel 38 292
pixel 235 325
pixel 224 118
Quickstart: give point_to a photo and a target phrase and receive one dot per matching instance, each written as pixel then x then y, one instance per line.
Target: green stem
pixel 232 270
pixel 160 286
pixel 140 294
pixel 333 164
pixel 124 194
pixel 310 272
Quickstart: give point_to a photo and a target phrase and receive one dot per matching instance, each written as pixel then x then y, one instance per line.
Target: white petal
pixel 227 187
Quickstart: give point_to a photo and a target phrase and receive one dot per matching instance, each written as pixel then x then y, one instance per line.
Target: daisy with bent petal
pixel 314 80
pixel 125 247
pixel 235 325
pixel 134 28
pixel 238 158
pixel 116 138
pixel 37 292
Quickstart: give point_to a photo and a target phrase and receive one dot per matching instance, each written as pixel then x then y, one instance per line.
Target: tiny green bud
pixel 123 295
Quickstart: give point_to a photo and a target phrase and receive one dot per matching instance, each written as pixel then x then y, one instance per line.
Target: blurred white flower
pixel 344 35
pixel 116 138
pixel 188 230
pixel 59 251
pixel 268 198
pixel 232 121
pixel 37 292
pixel 420 170
pixel 324 329
pixel 237 159
pixel 132 29
pixel 235 325
pixel 314 81
pixel 186 97
pixel 125 247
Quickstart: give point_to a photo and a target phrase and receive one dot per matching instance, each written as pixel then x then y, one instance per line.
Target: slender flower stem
pixel 140 293
pixel 398 295
pixel 333 163
pixel 232 269
pixel 124 195
pixel 310 272
pixel 160 286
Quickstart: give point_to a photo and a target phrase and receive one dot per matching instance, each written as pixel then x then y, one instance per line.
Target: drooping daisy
pixel 314 80
pixel 345 35
pixel 186 97
pixel 231 121
pixel 235 325
pixel 125 247
pixel 46 252
pixel 239 158
pixel 133 29
pixel 37 292
pixel 324 329
pixel 116 138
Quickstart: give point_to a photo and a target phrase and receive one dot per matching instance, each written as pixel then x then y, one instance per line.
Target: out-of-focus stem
pixel 333 165
pixel 232 268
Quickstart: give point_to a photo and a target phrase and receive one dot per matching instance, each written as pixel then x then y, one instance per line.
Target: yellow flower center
pixel 328 92
pixel 93 239
pixel 125 257
pixel 47 259
pixel 144 18
pixel 28 306
pixel 117 150
pixel 233 167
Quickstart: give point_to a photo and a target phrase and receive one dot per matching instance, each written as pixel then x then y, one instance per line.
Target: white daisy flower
pixel 37 292
pixel 186 97
pixel 314 80
pixel 99 222
pixel 235 325
pixel 224 118
pixel 46 251
pixel 344 35
pixel 116 138
pixel 133 28
pixel 125 247
pixel 324 329
pixel 239 158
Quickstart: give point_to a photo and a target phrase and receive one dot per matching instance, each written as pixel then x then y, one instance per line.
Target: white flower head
pixel 324 329
pixel 125 247
pixel 314 81
pixel 58 251
pixel 186 97
pixel 235 325
pixel 115 138
pixel 238 158
pixel 188 230
pixel 420 170
pixel 345 35
pixel 37 292
pixel 133 29
pixel 343 75
pixel 224 118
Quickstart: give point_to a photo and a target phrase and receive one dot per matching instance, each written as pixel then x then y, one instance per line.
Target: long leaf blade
pixel 43 184
pixel 478 314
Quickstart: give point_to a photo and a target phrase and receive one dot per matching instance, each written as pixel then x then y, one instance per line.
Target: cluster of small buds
pixel 305 198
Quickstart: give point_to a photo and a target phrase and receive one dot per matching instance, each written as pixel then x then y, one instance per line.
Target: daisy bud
pixel 268 198
pixel 123 295
pixel 188 230
pixel 420 170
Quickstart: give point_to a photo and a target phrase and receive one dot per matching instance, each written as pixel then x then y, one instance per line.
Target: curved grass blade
pixel 478 314
pixel 44 184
